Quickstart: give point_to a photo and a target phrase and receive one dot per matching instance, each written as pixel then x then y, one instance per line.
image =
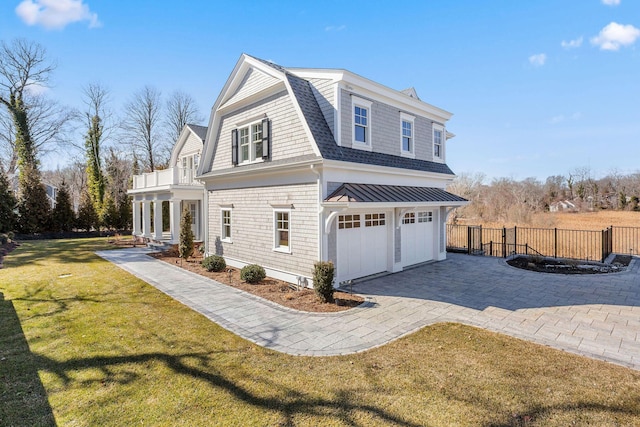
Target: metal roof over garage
pixel 372 193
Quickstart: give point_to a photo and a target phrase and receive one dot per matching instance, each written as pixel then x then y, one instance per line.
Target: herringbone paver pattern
pixel 592 315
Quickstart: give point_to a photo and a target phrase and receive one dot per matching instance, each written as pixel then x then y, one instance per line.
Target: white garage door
pixel 417 237
pixel 362 245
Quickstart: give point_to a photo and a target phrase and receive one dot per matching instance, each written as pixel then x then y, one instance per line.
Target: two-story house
pixel 301 165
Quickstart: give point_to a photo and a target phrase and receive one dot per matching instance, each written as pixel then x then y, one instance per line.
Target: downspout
pixel 318 173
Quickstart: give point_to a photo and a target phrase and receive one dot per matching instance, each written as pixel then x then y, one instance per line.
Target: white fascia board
pixel 394 97
pixel 362 167
pixel 182 139
pixel 209 143
pixel 264 93
pixel 263 170
pixel 318 73
pixel 389 205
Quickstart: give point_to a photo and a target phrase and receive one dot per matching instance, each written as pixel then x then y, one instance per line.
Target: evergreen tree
pixel 95 177
pixel 34 207
pixel 63 217
pixel 87 216
pixel 186 245
pixel 7 205
pixel 125 211
pixel 110 215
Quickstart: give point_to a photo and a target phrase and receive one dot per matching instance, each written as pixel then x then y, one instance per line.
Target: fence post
pixel 504 242
pixel 515 239
pixel 468 240
pixel 555 242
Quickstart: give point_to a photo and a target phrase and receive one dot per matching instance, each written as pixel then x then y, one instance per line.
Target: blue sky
pixel 537 88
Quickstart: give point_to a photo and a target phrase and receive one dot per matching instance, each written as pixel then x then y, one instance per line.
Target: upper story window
pixel 438 142
pixel 188 165
pixel 361 123
pixel 250 143
pixel 407 137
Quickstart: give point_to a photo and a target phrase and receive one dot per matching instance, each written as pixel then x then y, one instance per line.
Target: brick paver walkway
pixel 593 315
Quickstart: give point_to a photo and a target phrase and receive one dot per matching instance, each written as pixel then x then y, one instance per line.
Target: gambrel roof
pixel 301 92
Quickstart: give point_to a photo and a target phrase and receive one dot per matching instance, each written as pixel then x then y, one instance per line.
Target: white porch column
pixel 174 219
pixel 146 218
pixel 157 219
pixel 136 218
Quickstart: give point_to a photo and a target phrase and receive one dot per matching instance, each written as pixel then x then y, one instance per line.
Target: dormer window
pixel 438 142
pixel 407 137
pixel 361 123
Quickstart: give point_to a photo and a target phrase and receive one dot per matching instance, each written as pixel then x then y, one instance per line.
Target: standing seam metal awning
pixel 372 193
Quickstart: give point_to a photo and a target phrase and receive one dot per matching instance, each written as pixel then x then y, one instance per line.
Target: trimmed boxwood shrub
pixel 323 272
pixel 252 273
pixel 214 263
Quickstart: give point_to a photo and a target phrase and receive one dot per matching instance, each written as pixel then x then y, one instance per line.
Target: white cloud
pixel 614 36
pixel 572 44
pixel 56 14
pixel 611 2
pixel 562 118
pixel 335 28
pixel 538 60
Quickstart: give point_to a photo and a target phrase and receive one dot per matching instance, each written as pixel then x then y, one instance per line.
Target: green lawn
pixel 83 343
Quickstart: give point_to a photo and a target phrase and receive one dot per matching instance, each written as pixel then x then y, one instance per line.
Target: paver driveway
pixel 592 315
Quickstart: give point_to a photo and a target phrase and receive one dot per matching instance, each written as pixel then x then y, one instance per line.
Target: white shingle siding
pixel 252 229
pixel 191 146
pixel 385 128
pixel 253 82
pixel 288 137
pixel 324 91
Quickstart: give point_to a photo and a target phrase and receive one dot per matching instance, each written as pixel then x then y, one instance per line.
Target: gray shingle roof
pixel 201 131
pixel 326 142
pixel 371 193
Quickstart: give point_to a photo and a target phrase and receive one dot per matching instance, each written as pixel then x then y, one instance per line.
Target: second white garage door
pixel 362 244
pixel 417 237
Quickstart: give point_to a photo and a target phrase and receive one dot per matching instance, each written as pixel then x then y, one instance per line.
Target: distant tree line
pixel 510 200
pixel 105 149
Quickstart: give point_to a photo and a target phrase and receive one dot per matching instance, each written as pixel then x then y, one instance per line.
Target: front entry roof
pixel 372 193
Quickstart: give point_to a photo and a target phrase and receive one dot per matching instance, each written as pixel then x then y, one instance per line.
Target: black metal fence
pixel 551 242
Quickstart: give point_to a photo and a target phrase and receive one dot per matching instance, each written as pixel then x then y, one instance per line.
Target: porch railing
pixel 171 176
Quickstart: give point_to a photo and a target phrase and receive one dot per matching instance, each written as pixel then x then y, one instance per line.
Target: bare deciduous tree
pixel 30 121
pixel 181 110
pixel 141 127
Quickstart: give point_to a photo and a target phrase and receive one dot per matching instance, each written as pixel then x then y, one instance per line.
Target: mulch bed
pixel 559 266
pixel 271 289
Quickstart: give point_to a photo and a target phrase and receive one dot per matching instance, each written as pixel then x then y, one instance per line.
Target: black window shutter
pixel 234 147
pixel 266 138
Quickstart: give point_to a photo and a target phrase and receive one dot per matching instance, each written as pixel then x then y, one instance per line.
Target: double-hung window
pixel 361 123
pixel 226 225
pixel 407 136
pixel 282 226
pixel 438 142
pixel 250 142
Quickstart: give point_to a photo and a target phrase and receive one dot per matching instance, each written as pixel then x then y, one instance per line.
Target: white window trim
pixel 276 240
pixel 411 119
pixel 362 103
pixel 226 239
pixel 255 159
pixel 443 138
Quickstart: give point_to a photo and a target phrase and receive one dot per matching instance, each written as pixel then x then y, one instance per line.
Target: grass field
pixel 82 343
pixel 598 220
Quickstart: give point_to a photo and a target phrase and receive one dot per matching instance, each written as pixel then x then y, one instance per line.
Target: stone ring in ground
pixel 569 266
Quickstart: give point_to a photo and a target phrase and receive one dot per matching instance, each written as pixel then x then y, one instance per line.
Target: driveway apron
pixel 592 315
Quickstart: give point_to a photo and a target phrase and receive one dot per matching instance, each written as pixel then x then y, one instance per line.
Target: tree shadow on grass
pixel 23 399
pixel 65 251
pixel 197 366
